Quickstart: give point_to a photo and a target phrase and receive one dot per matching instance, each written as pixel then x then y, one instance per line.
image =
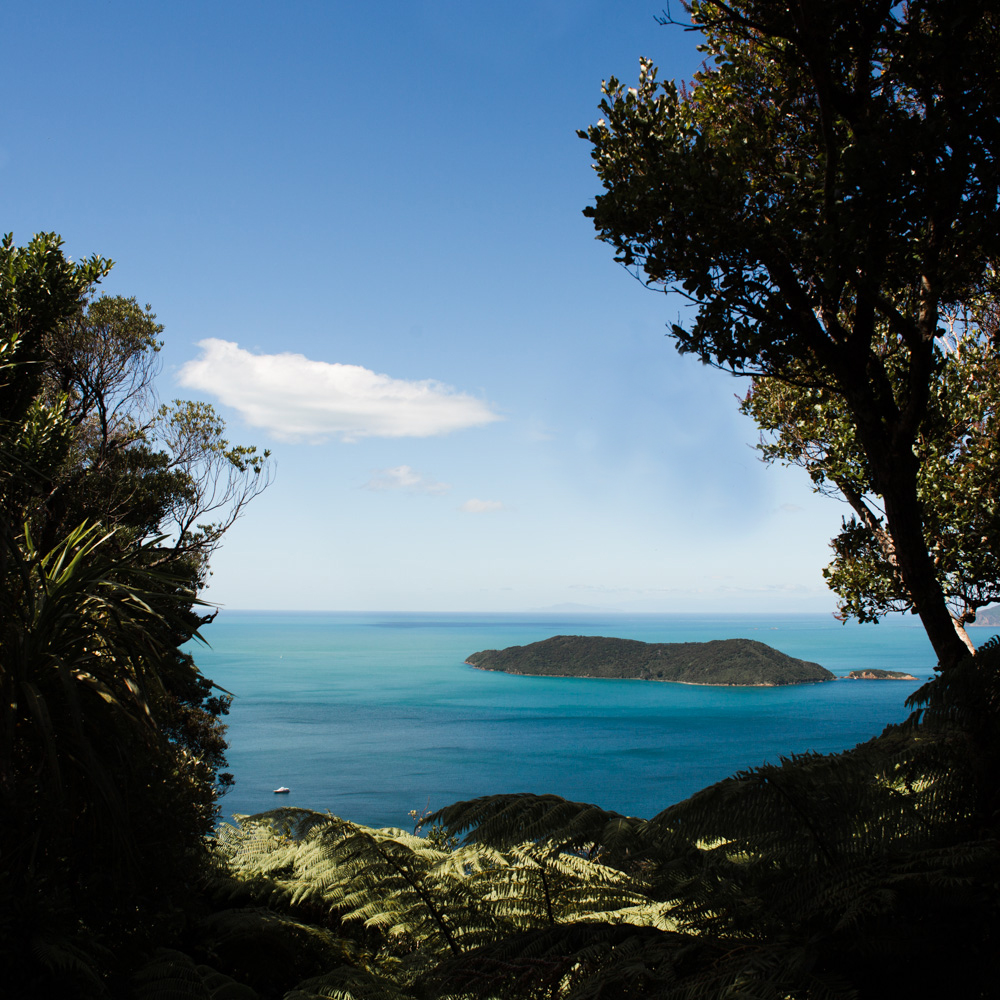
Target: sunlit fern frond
pixel 253 862
pixel 504 820
pixel 387 880
pixel 577 887
pixel 172 975
pixel 532 885
pixel 659 916
pixel 820 809
pixel 388 883
pixel 348 983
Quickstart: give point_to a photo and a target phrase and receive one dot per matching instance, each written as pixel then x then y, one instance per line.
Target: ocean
pixel 371 715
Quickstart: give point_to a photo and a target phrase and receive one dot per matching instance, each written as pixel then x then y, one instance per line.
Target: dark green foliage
pixel 111 741
pixel 958 483
pixel 172 975
pixel 721 661
pixel 39 290
pixel 505 820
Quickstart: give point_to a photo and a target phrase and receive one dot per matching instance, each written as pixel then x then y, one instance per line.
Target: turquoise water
pixel 372 715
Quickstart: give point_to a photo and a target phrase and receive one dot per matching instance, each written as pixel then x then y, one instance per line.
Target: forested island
pixel 723 662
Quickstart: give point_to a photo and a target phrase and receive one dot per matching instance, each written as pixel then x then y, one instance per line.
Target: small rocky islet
pixel 721 662
pixel 871 674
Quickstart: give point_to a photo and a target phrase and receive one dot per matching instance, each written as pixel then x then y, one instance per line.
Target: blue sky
pixel 361 226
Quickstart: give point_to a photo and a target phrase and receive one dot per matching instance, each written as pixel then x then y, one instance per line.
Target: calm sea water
pixel 372 715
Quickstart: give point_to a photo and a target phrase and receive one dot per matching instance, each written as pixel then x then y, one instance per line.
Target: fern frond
pixel 260 929
pixel 172 975
pixel 348 984
pixel 59 955
pixel 386 879
pixel 504 820
pixel 568 961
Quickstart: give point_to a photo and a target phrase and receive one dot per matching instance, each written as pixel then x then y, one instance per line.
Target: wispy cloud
pixel 475 506
pixel 294 397
pixel 403 477
pixel 540 432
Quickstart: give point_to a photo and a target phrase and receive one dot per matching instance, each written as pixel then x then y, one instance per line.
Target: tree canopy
pixel 111 741
pixel 827 184
pixel 958 447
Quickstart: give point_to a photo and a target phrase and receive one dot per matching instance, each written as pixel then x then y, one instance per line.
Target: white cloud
pixel 475 506
pixel 402 477
pixel 295 397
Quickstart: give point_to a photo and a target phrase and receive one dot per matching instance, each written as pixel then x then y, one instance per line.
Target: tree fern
pixel 512 819
pixel 349 984
pixel 172 975
pixel 66 961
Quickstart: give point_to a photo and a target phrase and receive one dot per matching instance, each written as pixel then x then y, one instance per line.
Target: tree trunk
pixel 963 635
pixel 898 488
pixel 887 428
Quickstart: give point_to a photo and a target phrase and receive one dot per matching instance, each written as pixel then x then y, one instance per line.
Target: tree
pixel 958 487
pixel 111 740
pixel 827 185
pixel 144 467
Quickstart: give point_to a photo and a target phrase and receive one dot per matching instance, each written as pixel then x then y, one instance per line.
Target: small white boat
pixel 282 790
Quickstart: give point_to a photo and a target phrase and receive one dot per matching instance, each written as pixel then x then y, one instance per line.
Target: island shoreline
pixel 645 680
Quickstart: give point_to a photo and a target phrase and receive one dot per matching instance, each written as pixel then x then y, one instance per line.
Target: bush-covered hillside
pixel 722 661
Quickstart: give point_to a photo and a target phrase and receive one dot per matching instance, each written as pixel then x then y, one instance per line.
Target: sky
pixel 361 226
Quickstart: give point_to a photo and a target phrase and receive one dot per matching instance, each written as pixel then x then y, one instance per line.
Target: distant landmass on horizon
pixel 721 662
pixel 988 617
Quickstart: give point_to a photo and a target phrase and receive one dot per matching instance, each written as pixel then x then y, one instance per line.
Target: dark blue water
pixel 372 715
